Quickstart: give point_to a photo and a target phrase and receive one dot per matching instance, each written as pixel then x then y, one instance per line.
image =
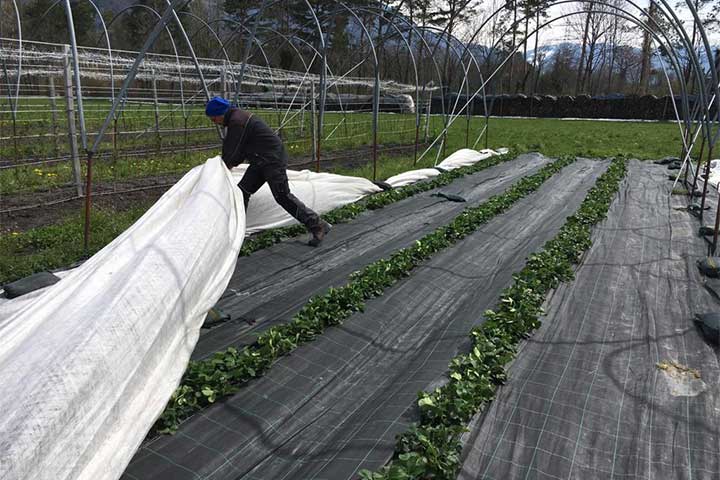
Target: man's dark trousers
pixel 274 172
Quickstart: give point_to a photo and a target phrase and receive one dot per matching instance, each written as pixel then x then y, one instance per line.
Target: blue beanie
pixel 217 106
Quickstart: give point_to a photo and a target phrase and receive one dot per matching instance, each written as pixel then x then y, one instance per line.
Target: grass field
pixel 58 245
pixel 165 152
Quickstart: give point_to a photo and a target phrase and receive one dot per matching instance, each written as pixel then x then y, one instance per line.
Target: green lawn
pixel 587 138
pixel 58 245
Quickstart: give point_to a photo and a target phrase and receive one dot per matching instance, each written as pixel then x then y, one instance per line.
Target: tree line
pixel 602 53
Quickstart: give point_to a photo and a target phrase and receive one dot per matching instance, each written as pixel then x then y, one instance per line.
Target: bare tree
pixel 647 51
pixel 585 34
pixel 450 14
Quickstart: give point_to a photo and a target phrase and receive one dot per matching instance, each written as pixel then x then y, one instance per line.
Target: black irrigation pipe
pixel 432 449
pixel 225 372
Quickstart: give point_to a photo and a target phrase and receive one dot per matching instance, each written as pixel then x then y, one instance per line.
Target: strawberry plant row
pixel 207 380
pixel 432 448
pixel 377 201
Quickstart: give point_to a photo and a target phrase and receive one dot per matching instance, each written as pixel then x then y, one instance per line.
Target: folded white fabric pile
pixel 87 365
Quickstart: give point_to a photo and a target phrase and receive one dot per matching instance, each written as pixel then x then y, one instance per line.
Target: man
pixel 249 138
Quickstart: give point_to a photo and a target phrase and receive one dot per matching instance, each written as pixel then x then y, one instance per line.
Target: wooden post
pixel 70 110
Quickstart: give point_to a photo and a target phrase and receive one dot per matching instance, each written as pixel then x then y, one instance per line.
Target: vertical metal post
pixel 376 115
pixel 705 183
pixel 185 129
pixel 468 107
pixel 70 110
pixel 315 156
pixel 683 154
pixel 417 132
pixel 76 73
pixel 487 124
pixel 81 118
pixel 321 106
pixel 13 111
pixel 427 117
pixel 115 139
pixel 88 194
pixel 223 80
pixel 302 116
pixel 53 108
pixel 717 216
pixel 697 170
pixel 157 110
pixel 443 143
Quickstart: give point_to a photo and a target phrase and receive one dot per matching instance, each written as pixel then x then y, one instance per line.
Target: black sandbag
pixel 709 324
pixel 666 160
pixel 30 284
pixel 448 196
pixel 695 209
pixel 214 316
pixel 384 185
pixel 706 230
pixel 708 266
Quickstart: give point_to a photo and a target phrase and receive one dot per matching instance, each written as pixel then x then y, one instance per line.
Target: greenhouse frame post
pixel 223 80
pixel 321 104
pixel 376 115
pixel 76 75
pixel 315 156
pixel 467 115
pixel 53 108
pixel 699 165
pixel 717 222
pixel 427 117
pixel 156 108
pixel 81 118
pixel 70 110
pixel 705 186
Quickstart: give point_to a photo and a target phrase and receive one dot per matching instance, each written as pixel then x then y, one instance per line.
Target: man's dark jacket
pixel 249 138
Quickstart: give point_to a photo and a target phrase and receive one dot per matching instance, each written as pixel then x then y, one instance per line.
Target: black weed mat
pixel 335 404
pixel 618 382
pixel 271 285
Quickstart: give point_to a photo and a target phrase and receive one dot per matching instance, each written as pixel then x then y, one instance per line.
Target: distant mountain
pixel 550 52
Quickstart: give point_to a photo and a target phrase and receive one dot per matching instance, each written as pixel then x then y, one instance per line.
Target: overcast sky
pixel 558 31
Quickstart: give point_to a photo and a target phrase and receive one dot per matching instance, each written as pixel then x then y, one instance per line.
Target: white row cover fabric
pixel 714 178
pixel 461 158
pixel 87 366
pixel 466 157
pixel 412 176
pixel 320 191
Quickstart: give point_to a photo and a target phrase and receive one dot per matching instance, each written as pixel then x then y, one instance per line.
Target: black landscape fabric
pixel 335 404
pixel 618 382
pixel 271 285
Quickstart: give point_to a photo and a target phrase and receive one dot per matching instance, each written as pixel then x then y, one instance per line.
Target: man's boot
pixel 318 233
